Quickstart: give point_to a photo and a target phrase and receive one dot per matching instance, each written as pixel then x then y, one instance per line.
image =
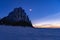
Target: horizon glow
pixel 52 20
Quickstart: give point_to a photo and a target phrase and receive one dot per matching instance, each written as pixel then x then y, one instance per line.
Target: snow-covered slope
pixel 28 33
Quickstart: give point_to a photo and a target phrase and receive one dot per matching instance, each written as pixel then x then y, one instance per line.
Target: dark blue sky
pixel 42 10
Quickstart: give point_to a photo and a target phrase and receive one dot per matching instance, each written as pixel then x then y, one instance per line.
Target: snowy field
pixel 28 33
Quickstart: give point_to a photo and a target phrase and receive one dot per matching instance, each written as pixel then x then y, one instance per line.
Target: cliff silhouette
pixel 17 17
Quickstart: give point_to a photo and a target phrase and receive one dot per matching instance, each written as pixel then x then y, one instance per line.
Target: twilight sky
pixel 43 11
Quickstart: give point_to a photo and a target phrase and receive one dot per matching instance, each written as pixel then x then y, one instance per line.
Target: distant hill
pixel 17 17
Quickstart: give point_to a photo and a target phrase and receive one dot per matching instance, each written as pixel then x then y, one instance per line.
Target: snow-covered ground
pixel 28 33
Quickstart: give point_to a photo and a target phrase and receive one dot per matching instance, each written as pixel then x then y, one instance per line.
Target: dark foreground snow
pixel 28 33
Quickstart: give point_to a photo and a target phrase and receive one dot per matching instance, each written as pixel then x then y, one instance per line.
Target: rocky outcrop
pixel 17 17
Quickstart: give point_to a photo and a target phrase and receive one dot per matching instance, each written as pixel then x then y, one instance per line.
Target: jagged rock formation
pixel 17 17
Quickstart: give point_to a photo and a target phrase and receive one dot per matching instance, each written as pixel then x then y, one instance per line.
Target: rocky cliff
pixel 17 17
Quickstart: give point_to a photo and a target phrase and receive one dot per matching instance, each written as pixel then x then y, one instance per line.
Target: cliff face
pixel 16 17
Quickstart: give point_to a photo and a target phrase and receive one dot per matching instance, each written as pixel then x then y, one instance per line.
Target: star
pixel 30 10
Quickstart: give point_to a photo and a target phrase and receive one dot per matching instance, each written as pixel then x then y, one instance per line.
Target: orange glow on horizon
pixel 47 25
